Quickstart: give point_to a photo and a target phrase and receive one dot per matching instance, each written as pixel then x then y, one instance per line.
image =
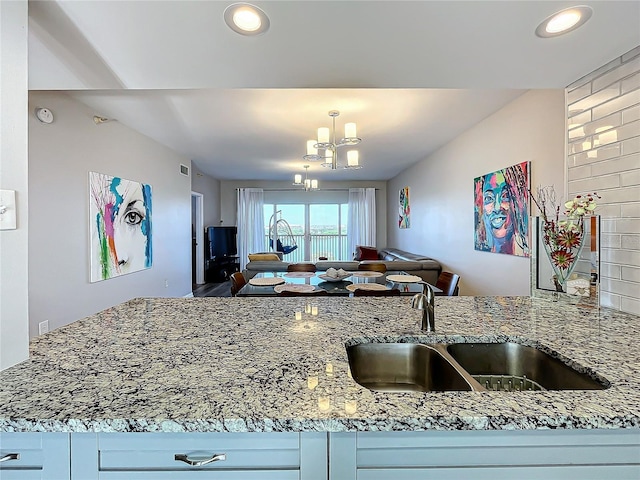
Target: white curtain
pixel 361 227
pixel 250 223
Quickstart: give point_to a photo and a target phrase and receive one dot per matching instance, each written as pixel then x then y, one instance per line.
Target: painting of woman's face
pixel 501 211
pixel 120 226
pixel 497 205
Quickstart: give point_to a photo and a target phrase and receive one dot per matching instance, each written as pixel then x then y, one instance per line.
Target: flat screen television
pixel 222 241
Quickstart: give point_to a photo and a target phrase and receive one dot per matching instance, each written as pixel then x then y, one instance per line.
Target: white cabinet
pixel 214 456
pixel 444 455
pixel 34 456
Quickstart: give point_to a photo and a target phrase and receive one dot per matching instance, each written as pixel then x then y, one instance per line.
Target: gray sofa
pixel 395 259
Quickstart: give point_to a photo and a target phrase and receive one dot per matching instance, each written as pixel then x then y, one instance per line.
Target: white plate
pixel 266 281
pixel 404 278
pixel 366 286
pixel 333 279
pixel 294 287
pixel 367 274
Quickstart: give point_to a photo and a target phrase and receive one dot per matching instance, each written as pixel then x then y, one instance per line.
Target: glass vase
pixel 562 240
pixel 563 264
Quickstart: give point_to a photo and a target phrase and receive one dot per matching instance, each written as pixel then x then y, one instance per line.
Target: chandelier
pixel 325 148
pixel 308 184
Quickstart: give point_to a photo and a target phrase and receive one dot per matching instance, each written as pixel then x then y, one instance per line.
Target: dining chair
pixel 237 282
pixel 359 292
pixel 448 283
pixel 373 267
pixel 315 293
pixel 301 267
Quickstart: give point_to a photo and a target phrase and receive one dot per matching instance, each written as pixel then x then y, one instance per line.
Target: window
pixel 315 230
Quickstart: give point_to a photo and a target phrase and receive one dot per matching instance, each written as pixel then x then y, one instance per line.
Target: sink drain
pixel 507 383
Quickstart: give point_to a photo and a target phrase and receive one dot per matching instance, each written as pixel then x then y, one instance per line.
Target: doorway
pixel 197 239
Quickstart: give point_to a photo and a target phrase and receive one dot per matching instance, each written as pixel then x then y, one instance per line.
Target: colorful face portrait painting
pixel 405 210
pixel 502 211
pixel 120 226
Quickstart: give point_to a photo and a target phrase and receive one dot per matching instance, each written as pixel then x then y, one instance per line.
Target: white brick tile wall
pixel 620 257
pixel 624 70
pixel 619 164
pixel 579 93
pixel 630 242
pixel 616 104
pixel 630 210
pixel 631 114
pixel 610 241
pixel 603 148
pixel 630 146
pixel 603 97
pixel 630 305
pixel 628 225
pixel 610 270
pixel 619 195
pixel 630 54
pixel 631 83
pixel 631 274
pixel 630 178
pixel 595 184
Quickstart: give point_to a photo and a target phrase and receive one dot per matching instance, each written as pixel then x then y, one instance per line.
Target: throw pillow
pixel 255 257
pixel 366 253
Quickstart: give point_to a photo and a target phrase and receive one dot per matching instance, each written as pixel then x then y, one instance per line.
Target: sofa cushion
pixel 366 253
pixel 267 266
pixel 253 257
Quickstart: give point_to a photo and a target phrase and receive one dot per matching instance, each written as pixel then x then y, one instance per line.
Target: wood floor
pixel 213 289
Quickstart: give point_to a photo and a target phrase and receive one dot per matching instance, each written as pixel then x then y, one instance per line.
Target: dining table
pixel 267 284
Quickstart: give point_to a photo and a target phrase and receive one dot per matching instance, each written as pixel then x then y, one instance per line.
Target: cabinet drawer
pixel 41 456
pixel 247 456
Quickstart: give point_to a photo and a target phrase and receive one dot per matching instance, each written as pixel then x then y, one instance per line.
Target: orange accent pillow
pixel 366 253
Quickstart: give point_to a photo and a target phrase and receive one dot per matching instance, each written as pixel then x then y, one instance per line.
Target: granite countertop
pixel 242 364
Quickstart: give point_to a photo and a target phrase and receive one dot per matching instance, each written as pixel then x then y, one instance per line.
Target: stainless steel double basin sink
pixel 509 366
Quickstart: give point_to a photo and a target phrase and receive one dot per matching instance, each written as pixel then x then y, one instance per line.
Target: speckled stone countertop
pixel 242 364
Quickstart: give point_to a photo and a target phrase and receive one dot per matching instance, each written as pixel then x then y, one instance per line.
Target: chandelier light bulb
pixel 323 135
pixel 350 130
pixel 314 184
pixel 307 184
pixel 311 147
pixel 353 158
pixel 297 179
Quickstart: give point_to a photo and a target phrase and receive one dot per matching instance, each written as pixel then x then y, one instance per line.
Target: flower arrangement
pixel 562 238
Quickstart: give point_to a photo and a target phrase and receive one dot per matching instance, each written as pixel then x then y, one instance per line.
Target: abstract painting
pixel 501 201
pixel 120 226
pixel 405 210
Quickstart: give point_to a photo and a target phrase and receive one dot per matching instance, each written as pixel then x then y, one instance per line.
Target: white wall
pixel 228 198
pixel 14 312
pixel 209 187
pixel 531 128
pixel 60 156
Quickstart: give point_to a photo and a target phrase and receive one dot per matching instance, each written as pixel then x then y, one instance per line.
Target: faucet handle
pixel 419 301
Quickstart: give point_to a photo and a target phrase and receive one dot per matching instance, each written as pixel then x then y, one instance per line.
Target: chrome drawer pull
pixel 217 457
pixel 10 456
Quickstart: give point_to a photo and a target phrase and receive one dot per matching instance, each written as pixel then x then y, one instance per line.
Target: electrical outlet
pixel 43 327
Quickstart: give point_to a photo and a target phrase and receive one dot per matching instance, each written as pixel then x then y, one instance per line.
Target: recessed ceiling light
pixel 564 21
pixel 246 19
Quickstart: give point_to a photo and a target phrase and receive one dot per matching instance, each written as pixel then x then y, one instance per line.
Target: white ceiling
pixel 413 75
